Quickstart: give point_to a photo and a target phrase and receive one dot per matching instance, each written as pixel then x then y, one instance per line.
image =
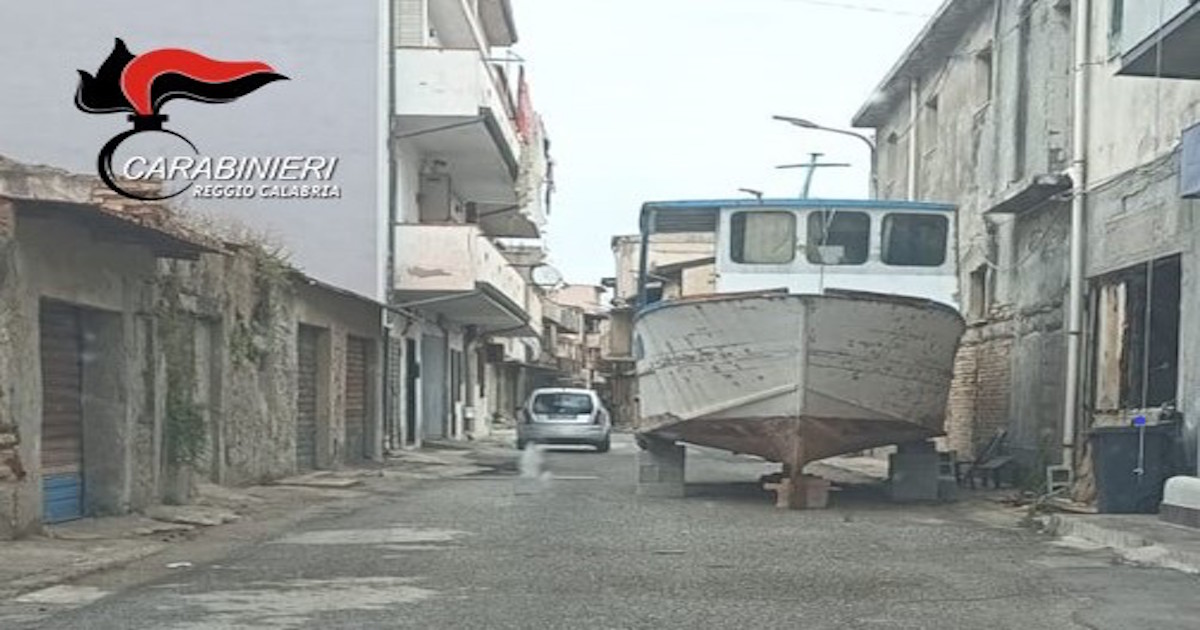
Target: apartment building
pixel 472 168
pixel 678 264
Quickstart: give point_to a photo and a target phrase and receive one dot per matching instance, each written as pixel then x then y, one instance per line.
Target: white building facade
pixel 439 152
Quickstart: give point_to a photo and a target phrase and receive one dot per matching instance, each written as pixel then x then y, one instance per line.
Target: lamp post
pixel 808 124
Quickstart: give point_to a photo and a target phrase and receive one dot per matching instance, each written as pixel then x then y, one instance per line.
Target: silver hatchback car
pixel 564 416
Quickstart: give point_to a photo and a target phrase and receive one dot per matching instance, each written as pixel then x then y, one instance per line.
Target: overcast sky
pixel 672 99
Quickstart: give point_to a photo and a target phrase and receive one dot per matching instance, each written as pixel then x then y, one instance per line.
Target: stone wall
pixel 246 302
pixel 242 311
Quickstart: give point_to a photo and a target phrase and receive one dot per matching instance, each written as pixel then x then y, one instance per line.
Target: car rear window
pixel 562 404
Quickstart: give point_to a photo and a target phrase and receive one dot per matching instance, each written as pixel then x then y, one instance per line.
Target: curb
pixel 1131 547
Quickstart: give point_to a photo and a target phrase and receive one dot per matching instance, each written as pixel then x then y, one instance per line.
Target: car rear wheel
pixel 604 446
pixel 521 444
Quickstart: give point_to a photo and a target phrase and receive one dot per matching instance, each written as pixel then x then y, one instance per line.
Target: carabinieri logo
pixel 142 84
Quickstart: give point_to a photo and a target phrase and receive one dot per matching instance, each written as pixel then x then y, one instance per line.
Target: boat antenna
pixel 811 167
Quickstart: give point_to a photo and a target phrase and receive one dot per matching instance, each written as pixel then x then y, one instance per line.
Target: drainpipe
pixel 1079 137
pixel 390 432
pixel 914 153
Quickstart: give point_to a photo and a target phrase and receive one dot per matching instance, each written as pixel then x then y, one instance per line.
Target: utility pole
pixel 813 164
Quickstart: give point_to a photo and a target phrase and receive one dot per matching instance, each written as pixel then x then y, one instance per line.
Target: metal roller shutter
pixel 356 398
pixel 62 413
pixel 306 399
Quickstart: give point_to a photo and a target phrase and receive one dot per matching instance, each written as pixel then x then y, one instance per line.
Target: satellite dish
pixel 545 276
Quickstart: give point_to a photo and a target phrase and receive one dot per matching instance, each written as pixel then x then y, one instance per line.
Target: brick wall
pixel 960 408
pixel 993 384
pixel 978 405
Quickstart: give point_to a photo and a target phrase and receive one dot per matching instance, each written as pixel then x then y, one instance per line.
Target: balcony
pixel 453 107
pixel 459 26
pixel 449 106
pixel 568 319
pixel 456 272
pixel 1168 47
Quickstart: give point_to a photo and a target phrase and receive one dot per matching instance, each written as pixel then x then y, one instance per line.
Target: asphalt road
pixel 582 551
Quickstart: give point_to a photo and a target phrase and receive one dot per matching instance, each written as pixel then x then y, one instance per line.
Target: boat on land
pixel 831 328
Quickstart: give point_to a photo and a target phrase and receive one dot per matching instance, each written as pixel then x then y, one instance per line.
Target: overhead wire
pixel 865 8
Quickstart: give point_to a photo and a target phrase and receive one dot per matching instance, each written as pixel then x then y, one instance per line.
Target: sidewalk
pixel 69 551
pixel 1140 539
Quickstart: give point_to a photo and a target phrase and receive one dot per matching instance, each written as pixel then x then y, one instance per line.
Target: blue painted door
pixel 62 413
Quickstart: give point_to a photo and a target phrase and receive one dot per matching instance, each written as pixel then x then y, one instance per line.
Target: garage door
pixel 62 413
pixel 356 399
pixel 306 398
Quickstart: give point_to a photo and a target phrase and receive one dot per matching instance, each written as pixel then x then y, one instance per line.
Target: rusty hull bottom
pixel 792 441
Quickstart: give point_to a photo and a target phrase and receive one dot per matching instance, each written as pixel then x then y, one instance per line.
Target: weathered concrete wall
pixel 251 306
pixel 1134 120
pixel 252 396
pixel 1039 291
pixel 108 455
pixel 1134 212
pixel 19 495
pixel 1138 216
pixel 257 305
pixel 55 258
pixel 993 115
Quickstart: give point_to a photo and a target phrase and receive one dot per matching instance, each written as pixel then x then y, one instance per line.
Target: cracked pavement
pixel 582 551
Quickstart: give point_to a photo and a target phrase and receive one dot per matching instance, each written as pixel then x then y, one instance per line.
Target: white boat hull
pixel 795 378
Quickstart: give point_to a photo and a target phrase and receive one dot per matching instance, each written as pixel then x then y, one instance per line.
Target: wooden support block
pixel 808 492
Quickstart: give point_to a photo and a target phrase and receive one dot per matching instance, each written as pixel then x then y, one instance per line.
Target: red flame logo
pixel 142 84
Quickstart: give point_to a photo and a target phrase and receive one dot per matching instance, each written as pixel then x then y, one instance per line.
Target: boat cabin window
pixel 915 240
pixel 838 237
pixel 763 237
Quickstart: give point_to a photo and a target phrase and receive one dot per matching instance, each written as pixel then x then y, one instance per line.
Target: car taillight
pixel 595 417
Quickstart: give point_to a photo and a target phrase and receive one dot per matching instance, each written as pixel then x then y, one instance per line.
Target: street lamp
pixel 808 124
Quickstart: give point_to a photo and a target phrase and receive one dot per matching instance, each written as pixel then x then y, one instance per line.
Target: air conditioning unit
pixel 436 201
